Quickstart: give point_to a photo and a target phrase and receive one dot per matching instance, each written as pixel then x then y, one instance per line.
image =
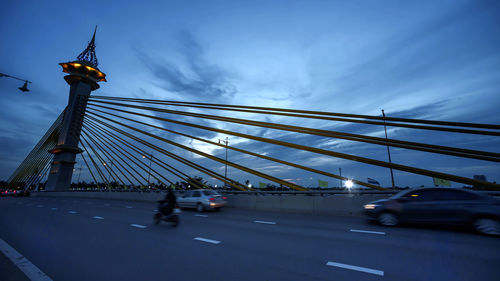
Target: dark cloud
pixel 201 81
pixel 424 55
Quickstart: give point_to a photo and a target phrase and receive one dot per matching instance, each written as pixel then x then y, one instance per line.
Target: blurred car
pixel 10 192
pixel 3 193
pixel 23 193
pixel 202 200
pixel 15 193
pixel 438 205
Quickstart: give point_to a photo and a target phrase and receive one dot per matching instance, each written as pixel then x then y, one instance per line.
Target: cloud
pixel 195 78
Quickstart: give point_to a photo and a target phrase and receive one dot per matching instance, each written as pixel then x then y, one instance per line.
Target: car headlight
pixel 370 206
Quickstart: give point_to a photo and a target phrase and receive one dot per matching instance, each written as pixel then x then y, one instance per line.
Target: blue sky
pixel 418 59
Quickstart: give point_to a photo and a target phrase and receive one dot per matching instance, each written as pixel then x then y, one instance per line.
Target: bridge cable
pixel 229 181
pixel 275 111
pixel 460 152
pixel 206 155
pixel 324 152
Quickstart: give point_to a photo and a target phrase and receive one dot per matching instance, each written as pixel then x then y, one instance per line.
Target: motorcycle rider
pixel 168 204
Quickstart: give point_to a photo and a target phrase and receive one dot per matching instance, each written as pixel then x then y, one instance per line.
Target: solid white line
pixel 72 212
pixel 128 207
pixel 29 269
pixel 265 222
pixel 203 216
pixel 366 231
pixel 357 268
pixel 138 225
pixel 53 209
pixel 98 217
pixel 207 240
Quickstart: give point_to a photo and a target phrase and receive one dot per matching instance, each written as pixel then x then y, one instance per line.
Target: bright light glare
pixel 349 184
pixel 370 206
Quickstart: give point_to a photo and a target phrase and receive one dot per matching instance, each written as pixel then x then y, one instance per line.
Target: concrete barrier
pixel 329 204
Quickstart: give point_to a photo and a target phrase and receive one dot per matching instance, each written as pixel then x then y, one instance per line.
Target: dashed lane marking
pixel 53 209
pixel 356 268
pixel 138 225
pixel 207 240
pixel 265 222
pixel 203 216
pixel 73 212
pixel 367 231
pixel 98 217
pixel 39 206
pixel 128 207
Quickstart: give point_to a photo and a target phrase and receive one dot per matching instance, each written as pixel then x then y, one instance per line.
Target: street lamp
pixel 226 142
pixel 388 151
pixel 23 88
pixel 349 184
pixel 111 168
pixel 149 170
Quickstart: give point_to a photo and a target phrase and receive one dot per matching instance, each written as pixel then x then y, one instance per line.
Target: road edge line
pixel 29 269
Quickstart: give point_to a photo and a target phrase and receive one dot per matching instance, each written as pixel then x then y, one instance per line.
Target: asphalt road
pixel 85 239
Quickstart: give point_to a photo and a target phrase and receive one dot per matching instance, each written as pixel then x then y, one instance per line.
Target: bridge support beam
pixel 61 170
pixel 83 77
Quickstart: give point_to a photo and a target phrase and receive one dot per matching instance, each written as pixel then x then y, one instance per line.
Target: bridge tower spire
pixel 82 77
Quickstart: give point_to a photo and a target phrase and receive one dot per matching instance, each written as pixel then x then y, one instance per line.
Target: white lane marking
pixel 207 240
pixel 265 222
pixel 357 268
pixel 29 269
pixel 138 225
pixel 72 212
pixel 128 207
pixel 155 210
pixel 203 216
pixel 39 206
pixel 366 231
pixel 98 217
pixel 53 209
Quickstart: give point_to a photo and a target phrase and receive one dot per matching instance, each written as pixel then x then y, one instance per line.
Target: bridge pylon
pixel 83 76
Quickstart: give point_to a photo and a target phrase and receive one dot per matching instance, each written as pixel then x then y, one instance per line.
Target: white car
pixel 201 200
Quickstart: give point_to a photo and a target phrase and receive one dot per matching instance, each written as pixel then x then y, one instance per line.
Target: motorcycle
pixel 172 218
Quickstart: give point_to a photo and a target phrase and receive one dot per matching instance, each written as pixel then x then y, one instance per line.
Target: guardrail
pixel 271 192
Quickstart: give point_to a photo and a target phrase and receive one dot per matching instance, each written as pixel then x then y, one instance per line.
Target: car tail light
pixel 211 199
pixel 224 197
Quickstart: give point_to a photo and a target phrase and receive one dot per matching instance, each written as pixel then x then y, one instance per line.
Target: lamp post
pixel 340 180
pixel 23 88
pixel 225 142
pixel 79 173
pixel 150 160
pixel 110 169
pixel 388 151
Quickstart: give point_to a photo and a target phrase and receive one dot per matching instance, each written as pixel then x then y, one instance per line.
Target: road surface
pixel 93 239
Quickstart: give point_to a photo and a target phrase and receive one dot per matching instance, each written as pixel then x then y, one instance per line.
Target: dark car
pixel 438 205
